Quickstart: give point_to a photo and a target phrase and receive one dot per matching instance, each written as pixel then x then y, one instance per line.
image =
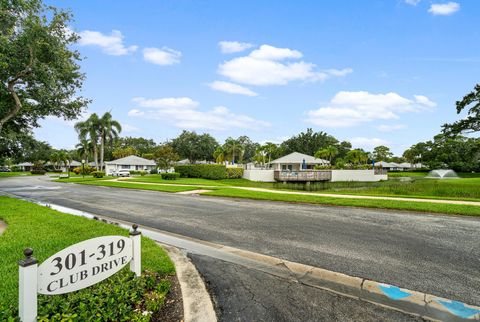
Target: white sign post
pixel 74 268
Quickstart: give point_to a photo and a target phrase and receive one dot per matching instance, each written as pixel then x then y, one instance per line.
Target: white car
pixel 122 173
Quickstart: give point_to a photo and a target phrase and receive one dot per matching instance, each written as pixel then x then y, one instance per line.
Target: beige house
pixel 132 162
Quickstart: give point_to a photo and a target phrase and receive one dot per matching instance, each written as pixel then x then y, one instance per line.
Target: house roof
pixel 132 160
pixel 25 164
pixel 74 163
pixel 296 157
pixel 397 165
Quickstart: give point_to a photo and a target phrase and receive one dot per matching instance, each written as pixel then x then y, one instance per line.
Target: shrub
pixel 154 171
pixel 138 172
pixel 41 172
pixel 56 171
pixel 15 168
pixel 86 170
pixel 205 171
pixel 98 174
pixel 234 173
pixel 170 176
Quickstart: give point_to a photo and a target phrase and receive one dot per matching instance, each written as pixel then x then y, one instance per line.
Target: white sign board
pixel 84 264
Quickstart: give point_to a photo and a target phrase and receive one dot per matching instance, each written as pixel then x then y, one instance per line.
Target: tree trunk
pixel 95 155
pixel 102 150
pixel 13 111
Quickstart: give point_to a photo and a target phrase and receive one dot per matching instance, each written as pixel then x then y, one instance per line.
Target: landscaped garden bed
pixel 122 297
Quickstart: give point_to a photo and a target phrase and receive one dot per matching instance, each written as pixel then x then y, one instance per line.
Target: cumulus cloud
pixel 229 47
pixel 111 44
pixel 444 9
pixel 270 65
pixel 367 143
pixel 135 112
pixel 163 57
pixel 389 128
pixel 353 108
pixel 231 88
pixel 183 113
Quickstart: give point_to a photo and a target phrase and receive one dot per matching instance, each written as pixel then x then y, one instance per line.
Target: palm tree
pixel 270 149
pixel 356 156
pixel 260 154
pixel 90 128
pixel 328 153
pixel 219 154
pixel 233 148
pixel 84 148
pixel 109 130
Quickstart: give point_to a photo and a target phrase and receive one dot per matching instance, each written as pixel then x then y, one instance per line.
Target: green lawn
pixel 384 204
pixel 133 185
pixel 47 232
pixel 204 182
pixel 459 189
pixel 14 174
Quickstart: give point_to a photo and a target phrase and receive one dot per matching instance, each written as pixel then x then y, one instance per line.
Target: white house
pixel 132 162
pixel 296 161
pixel 392 166
pixel 25 166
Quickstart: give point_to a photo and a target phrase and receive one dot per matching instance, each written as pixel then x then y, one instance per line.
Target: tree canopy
pixel 39 72
pixel 471 123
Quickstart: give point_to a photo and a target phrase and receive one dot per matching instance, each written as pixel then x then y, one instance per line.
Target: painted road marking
pixel 393 292
pixel 459 308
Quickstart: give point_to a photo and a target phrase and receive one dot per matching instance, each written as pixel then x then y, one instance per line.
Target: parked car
pixel 5 170
pixel 122 173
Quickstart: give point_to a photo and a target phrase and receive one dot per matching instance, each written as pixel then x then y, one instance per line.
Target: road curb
pixel 420 304
pixel 197 304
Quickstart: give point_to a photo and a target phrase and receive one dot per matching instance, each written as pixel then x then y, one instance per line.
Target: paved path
pixel 330 195
pixel 430 253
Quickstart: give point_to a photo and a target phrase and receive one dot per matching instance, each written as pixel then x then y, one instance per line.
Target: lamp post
pixel 83 168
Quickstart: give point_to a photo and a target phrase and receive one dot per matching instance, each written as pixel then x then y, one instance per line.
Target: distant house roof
pixel 296 157
pixel 25 164
pixel 132 160
pixel 74 163
pixel 404 165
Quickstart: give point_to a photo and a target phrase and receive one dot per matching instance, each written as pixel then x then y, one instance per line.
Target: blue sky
pixel 371 72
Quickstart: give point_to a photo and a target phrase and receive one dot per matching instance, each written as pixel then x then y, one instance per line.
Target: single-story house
pixel 132 162
pixel 25 166
pixel 296 161
pixel 392 166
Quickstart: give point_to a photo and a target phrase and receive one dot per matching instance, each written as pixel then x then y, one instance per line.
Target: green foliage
pixel 86 170
pixel 141 145
pixel 194 147
pixel 98 174
pixel 382 153
pixel 308 142
pixel 47 232
pixel 38 171
pixel 154 171
pixel 234 173
pixel 138 172
pixel 471 123
pixel 205 171
pixel 123 152
pixel 165 156
pixel 170 175
pixel 39 71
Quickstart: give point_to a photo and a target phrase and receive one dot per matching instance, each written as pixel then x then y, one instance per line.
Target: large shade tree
pixel 39 72
pixel 194 147
pixel 471 123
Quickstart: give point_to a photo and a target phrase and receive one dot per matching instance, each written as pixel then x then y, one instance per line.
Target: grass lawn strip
pixel 141 186
pixel 455 209
pixel 48 231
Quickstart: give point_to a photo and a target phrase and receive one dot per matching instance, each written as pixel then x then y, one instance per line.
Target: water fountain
pixel 442 174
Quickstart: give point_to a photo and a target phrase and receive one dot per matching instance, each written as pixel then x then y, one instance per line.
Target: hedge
pixel 170 176
pixel 98 174
pixel 38 172
pixel 234 173
pixel 205 171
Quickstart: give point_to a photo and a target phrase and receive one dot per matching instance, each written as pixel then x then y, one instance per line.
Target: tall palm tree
pixel 220 154
pixel 90 129
pixel 109 129
pixel 328 153
pixel 84 148
pixel 233 148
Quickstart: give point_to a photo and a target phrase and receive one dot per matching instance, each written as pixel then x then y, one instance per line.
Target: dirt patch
pixel 172 309
pixel 193 192
pixel 3 226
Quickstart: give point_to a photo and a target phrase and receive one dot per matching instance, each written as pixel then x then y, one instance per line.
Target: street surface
pixel 430 253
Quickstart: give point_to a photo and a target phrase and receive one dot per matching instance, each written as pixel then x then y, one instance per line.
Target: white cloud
pixel 444 9
pixel 229 47
pixel 135 112
pixel 353 108
pixel 339 72
pixel 111 44
pixel 367 143
pixel 231 88
pixel 425 101
pixel 270 65
pixel 187 116
pixel 412 2
pixel 129 128
pixel 163 57
pixel 389 128
pixel 172 102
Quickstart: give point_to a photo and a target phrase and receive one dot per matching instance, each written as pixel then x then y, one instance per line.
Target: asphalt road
pixel 430 253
